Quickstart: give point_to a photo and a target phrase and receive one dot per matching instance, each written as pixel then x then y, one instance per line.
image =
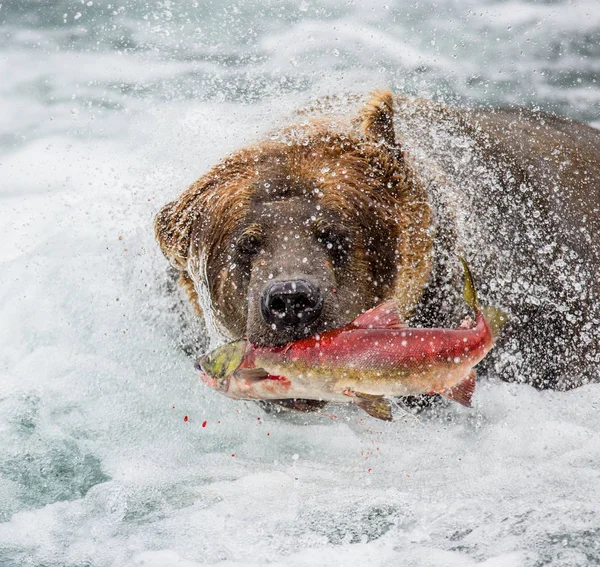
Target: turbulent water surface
pixel 111 451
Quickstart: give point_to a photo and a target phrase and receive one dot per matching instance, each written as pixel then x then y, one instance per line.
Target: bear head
pixel 304 231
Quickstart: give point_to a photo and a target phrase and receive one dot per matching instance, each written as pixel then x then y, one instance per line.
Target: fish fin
pixel 495 319
pixel 376 406
pixel 469 291
pixel 384 316
pixel 251 374
pixel 463 391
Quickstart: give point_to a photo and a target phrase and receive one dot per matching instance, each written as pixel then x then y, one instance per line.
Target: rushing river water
pixel 111 451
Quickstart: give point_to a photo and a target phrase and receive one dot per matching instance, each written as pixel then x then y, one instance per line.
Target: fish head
pixel 217 366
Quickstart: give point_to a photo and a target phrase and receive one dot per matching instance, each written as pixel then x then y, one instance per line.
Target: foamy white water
pixel 110 112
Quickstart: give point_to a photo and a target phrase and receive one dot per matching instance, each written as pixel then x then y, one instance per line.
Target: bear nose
pixel 289 304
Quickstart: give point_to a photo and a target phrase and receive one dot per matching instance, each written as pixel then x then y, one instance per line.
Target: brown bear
pixel 357 201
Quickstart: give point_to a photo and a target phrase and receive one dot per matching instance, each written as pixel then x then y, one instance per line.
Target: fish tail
pixel 469 291
pixel 495 319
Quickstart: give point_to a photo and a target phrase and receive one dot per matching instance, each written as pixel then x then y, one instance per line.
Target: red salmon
pixel 366 362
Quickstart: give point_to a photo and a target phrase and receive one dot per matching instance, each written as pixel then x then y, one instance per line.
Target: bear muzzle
pixel 291 304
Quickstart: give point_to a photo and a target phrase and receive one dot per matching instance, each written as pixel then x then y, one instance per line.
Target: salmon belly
pixel 335 384
pixel 404 382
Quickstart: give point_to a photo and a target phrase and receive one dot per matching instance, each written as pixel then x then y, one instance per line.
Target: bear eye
pixel 337 244
pixel 249 245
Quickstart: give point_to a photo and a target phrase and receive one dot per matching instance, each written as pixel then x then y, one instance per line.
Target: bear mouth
pixel 269 337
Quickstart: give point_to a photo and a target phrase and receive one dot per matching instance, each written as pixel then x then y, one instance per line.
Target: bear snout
pixel 291 304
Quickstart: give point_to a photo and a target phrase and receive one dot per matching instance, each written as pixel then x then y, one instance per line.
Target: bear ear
pixel 377 118
pixel 174 223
